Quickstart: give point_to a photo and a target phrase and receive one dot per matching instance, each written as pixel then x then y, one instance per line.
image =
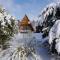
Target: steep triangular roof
pixel 25 21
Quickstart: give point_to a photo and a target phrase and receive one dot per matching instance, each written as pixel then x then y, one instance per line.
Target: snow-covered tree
pixel 7 27
pixel 54 37
pixel 48 17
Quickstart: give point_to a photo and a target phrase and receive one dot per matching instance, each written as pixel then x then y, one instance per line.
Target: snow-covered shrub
pixel 7 27
pixel 48 17
pixel 54 37
pixel 21 53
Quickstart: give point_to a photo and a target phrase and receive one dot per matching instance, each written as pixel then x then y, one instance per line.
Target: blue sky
pixel 19 8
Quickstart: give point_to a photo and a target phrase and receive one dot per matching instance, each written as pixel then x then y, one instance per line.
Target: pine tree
pixel 7 27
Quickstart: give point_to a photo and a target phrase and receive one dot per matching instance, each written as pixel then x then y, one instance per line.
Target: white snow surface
pixel 55 33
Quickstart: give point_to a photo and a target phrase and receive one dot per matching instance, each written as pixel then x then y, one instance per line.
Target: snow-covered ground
pixel 41 53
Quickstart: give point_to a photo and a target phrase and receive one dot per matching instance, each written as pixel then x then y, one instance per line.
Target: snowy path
pixel 45 56
pixel 43 53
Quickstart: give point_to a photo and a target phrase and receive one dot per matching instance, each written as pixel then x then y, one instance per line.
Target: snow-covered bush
pixel 54 37
pixel 23 53
pixel 7 27
pixel 48 17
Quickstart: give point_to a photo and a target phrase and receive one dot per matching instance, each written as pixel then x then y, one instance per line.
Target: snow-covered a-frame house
pixel 25 25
